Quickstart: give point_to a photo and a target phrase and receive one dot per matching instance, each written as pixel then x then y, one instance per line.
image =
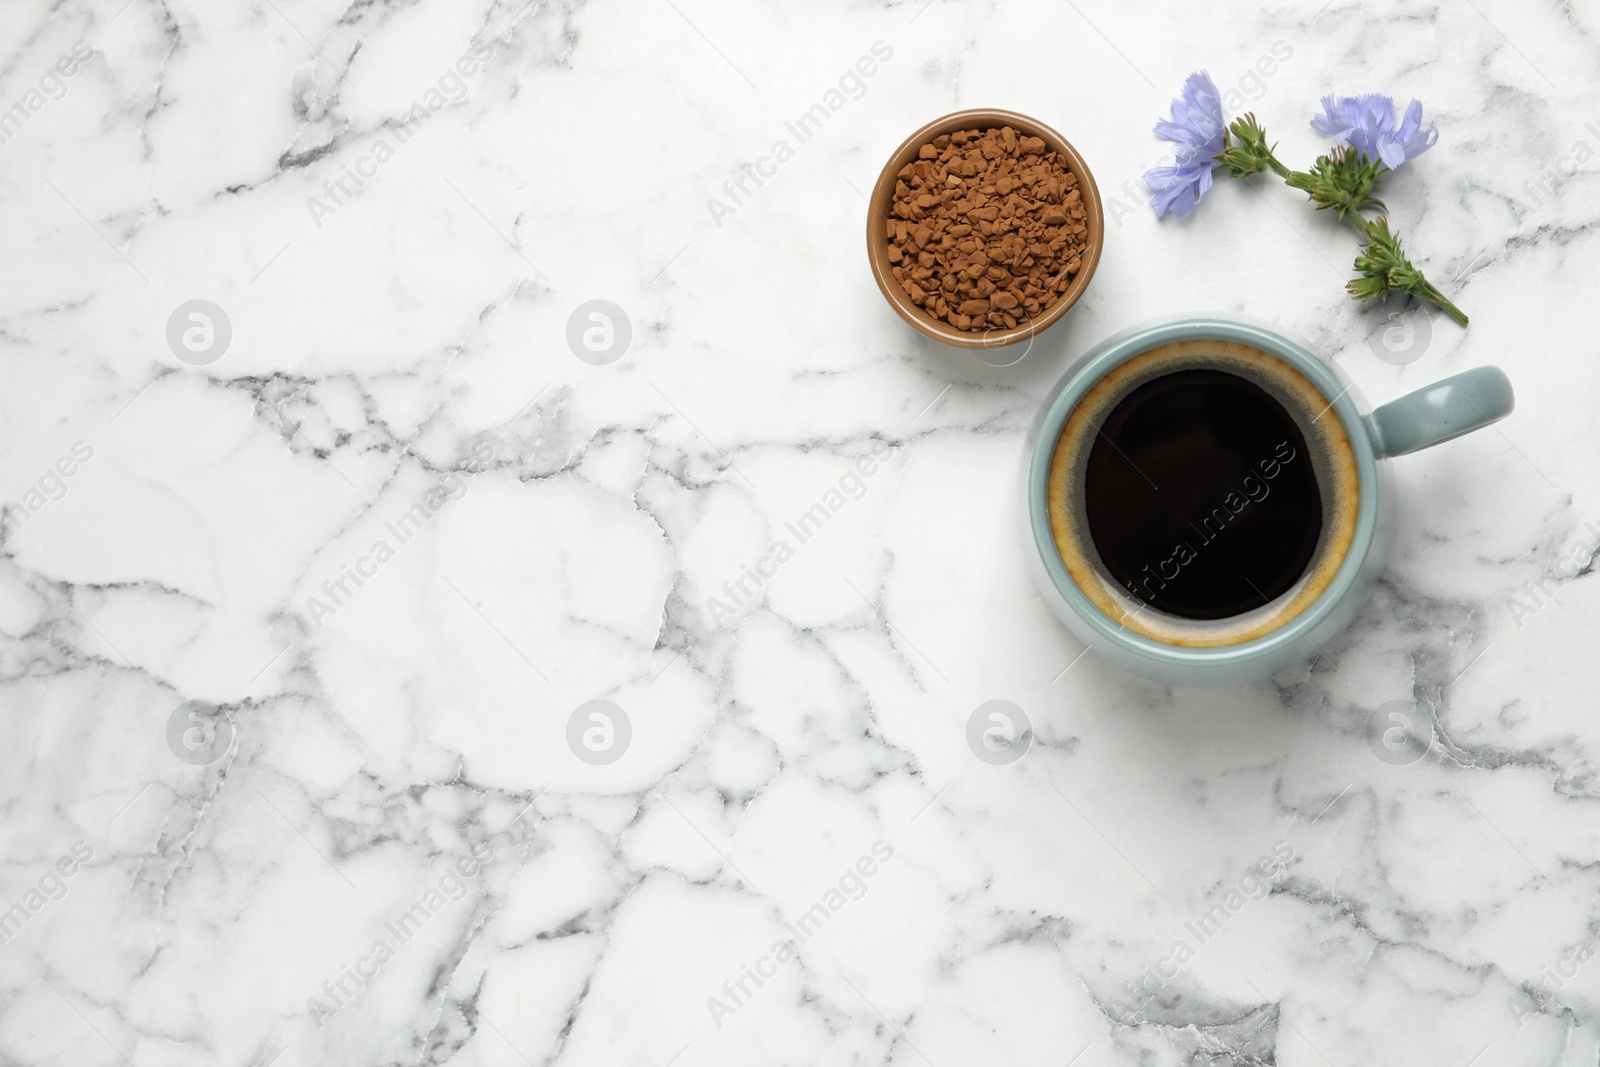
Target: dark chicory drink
pixel 1203 493
pixel 1199 495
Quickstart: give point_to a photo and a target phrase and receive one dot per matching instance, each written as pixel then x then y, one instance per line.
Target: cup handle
pixel 1446 409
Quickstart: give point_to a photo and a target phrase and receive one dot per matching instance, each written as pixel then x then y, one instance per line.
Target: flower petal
pixel 1178 189
pixel 1422 143
pixel 1162 177
pixel 1196 124
pixel 1201 92
pixel 1410 123
pixel 1178 201
pixel 1368 125
pixel 1328 120
pixel 1198 129
pixel 1169 130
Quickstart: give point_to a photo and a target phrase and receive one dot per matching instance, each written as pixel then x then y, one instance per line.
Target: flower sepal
pixel 1370 140
pixel 1341 181
pixel 1383 269
pixel 1245 150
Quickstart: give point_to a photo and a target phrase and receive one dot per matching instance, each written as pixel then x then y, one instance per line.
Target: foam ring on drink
pixel 1333 467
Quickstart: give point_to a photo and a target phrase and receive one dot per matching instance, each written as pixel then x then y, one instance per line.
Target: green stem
pixel 1343 181
pixel 1404 276
pixel 1448 308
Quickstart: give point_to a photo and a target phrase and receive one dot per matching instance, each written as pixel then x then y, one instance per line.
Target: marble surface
pixel 398 535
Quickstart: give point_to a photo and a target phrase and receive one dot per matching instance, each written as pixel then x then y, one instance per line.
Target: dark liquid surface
pixel 1201 497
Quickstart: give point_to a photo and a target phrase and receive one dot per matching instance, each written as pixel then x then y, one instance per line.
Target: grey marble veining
pixel 402 536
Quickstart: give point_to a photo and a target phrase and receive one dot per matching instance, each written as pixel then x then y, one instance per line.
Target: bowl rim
pixel 877 227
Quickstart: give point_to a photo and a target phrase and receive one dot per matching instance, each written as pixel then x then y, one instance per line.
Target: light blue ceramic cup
pixel 1449 408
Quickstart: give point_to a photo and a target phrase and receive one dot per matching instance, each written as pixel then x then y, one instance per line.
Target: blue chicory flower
pixel 1367 124
pixel 1197 128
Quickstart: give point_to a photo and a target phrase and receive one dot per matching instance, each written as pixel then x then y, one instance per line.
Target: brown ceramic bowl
pixel 883 199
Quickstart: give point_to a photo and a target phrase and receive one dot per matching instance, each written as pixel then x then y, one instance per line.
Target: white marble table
pixel 399 534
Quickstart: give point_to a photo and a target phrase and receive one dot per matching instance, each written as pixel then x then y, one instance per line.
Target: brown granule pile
pixel 987 229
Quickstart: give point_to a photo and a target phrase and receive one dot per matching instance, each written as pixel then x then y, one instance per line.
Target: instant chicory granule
pixel 987 229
